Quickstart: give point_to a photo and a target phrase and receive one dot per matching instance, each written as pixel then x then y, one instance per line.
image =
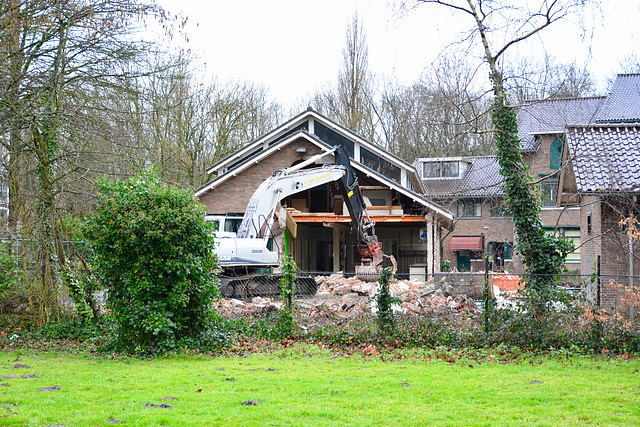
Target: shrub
pixel 154 254
pixel 385 318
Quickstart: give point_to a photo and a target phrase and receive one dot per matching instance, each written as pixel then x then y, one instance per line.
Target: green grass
pixel 309 386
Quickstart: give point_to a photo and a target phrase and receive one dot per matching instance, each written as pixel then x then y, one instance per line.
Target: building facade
pixel 409 225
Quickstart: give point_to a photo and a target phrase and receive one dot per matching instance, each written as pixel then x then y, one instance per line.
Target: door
pixel 496 256
pixel 324 256
pixel 464 263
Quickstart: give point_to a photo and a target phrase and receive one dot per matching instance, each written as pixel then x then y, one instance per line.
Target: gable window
pixel 333 138
pixel 380 165
pixel 469 208
pixel 549 190
pixel 302 126
pixel 444 169
pixel 555 154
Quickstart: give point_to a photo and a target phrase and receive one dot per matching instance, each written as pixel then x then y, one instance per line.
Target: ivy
pixel 286 321
pixel 385 318
pixel 543 255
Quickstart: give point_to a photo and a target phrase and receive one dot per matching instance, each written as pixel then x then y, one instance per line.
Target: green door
pixel 464 263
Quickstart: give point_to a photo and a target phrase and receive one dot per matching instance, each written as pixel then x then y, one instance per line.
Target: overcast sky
pixel 295 47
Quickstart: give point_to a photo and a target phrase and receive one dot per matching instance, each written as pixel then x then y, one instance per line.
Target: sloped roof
pixel 255 148
pixel 416 197
pixel 481 178
pixel 623 103
pixel 605 157
pixel 551 116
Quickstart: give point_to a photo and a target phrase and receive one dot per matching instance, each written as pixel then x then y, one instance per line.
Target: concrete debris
pixel 347 297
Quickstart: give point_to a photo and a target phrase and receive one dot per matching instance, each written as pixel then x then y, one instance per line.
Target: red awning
pixel 459 243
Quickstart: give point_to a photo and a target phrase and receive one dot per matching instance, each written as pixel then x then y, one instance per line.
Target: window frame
pixel 439 167
pixel 546 181
pixel 477 208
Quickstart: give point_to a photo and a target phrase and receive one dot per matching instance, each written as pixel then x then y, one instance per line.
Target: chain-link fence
pixel 264 285
pixel 612 292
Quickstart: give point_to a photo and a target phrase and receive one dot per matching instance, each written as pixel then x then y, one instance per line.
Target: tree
pixel 350 103
pixel 154 253
pixel 529 80
pixel 54 53
pixel 516 22
pixel 439 116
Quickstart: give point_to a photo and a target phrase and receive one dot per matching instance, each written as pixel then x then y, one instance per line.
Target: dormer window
pixel 441 169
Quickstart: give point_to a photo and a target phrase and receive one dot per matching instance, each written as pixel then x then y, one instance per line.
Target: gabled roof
pixel 623 103
pixel 255 148
pixel 551 116
pixel 295 136
pixel 481 178
pixel 605 157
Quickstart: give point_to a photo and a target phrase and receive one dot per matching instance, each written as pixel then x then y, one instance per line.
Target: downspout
pixel 631 275
pixel 631 313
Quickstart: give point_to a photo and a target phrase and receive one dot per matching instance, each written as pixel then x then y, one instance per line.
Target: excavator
pixel 244 257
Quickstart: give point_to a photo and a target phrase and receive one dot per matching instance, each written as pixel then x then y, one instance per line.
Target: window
pixel 333 138
pixel 549 189
pixel 589 223
pixel 380 165
pixel 570 233
pixel 469 209
pixel 232 224
pixel 574 236
pixel 450 169
pixel 555 154
pixel 302 126
pixel 498 209
pixel 445 169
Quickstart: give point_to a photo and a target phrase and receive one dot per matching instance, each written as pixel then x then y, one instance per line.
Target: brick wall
pixel 233 195
pixel 611 243
pixel 615 253
pixel 494 229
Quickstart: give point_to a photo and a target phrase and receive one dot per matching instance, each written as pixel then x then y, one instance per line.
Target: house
pixel 541 130
pixel 471 186
pixel 604 171
pixel 601 176
pixel 409 225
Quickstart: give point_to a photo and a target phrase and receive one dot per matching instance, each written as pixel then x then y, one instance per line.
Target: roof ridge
pixel 574 98
pixel 606 125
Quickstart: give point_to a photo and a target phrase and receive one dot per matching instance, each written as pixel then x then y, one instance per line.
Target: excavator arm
pixel 249 247
pixel 368 245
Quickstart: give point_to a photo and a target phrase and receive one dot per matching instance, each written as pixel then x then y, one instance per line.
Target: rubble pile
pixel 348 297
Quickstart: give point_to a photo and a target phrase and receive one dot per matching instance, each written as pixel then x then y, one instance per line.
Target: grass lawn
pixel 305 385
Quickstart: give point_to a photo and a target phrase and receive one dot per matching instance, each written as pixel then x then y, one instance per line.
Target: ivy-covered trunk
pixel 542 255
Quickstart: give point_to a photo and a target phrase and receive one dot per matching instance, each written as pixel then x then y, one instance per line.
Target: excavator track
pixel 262 285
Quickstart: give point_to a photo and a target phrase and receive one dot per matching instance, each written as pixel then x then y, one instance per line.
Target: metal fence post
pixel 598 300
pixel 486 293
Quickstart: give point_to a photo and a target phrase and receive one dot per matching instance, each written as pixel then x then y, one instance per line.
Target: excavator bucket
pixel 368 271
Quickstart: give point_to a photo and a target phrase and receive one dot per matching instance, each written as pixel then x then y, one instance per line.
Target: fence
pixel 611 292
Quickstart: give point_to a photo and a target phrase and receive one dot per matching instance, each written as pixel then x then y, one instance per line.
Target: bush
pixel 154 254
